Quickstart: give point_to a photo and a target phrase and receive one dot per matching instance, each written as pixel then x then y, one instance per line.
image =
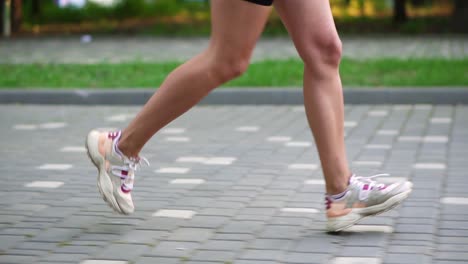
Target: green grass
pixel 273 73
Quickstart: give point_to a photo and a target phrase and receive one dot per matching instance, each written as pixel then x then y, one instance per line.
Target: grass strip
pixel 269 73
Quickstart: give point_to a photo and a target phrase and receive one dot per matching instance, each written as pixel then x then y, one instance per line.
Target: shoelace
pixel 133 163
pixel 361 181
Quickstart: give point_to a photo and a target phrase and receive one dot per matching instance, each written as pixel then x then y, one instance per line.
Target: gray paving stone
pixel 407 258
pixel 365 239
pixel 412 237
pixel 242 227
pixel 453 247
pixel 453 232
pixel 315 244
pixel 27 252
pixel 238 217
pixel 412 243
pixel 451 256
pixel 122 252
pixel 415 228
pixel 147 237
pixel 98 237
pixel 410 249
pixel 243 261
pixel 79 221
pixel 453 225
pixel 8 219
pixel 72 249
pixel 152 260
pixel 16 259
pixel 27 232
pixel 448 262
pixel 248 217
pixel 64 257
pixel 161 223
pixel 273 244
pixel 202 262
pixel 213 255
pixel 452 240
pixel 422 221
pixel 233 236
pixel 37 246
pixel 419 212
pixel 57 235
pixel 256 254
pixel 223 245
pixel 110 229
pixel 8 241
pixel 218 212
pixel 293 221
pixel 174 249
pixel 297 257
pixel 281 232
pixel 200 221
pixel 191 234
pixel 371 252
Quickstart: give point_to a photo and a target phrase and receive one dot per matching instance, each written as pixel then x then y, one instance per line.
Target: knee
pixel 228 67
pixel 324 50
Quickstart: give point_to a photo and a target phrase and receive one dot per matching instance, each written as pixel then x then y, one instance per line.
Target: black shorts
pixel 261 2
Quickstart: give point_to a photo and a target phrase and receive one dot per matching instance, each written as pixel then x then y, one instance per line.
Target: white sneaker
pixel 116 172
pixel 364 197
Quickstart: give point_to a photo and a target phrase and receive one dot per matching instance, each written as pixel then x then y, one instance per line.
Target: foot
pixel 116 172
pixel 364 197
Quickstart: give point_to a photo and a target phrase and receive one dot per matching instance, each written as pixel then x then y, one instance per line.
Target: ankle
pixel 338 186
pixel 125 149
pixel 336 190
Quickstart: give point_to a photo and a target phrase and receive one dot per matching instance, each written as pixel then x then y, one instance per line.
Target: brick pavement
pixel 124 49
pixel 231 184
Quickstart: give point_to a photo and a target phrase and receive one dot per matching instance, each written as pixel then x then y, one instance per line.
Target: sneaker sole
pixel 104 183
pixel 340 223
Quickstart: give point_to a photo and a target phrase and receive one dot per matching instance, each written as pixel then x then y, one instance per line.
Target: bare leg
pixel 236 26
pixel 311 26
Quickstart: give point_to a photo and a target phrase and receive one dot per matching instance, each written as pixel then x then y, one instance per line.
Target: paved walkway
pixel 245 181
pixel 115 49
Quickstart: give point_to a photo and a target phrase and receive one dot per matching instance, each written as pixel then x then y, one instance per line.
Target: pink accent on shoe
pixel 124 189
pixel 328 202
pixel 113 135
pixel 383 187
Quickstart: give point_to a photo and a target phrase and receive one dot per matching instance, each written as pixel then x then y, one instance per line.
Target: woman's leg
pixel 311 26
pixel 236 26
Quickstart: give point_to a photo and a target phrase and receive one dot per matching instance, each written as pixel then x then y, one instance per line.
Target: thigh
pixel 236 25
pixel 309 23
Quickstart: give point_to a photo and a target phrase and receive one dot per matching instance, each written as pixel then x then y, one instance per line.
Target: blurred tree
pixel 2 14
pixel 399 9
pixel 6 18
pixel 460 16
pixel 17 15
pixel 35 8
pixel 399 12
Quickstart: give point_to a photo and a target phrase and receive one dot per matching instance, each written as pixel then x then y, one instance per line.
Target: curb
pixel 238 96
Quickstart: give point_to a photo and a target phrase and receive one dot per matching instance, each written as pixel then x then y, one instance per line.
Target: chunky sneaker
pixel 116 172
pixel 363 197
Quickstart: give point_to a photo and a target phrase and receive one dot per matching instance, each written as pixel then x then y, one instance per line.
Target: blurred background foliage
pixel 191 17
